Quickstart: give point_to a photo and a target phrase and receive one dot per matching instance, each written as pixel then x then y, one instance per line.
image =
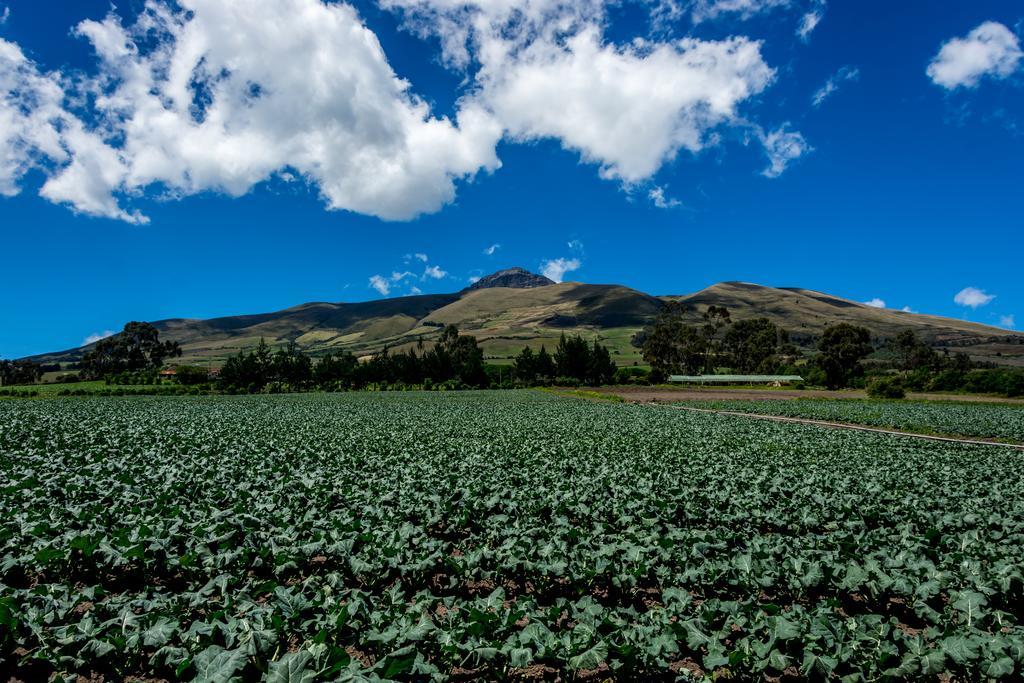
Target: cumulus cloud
pixel 908 309
pixel 990 50
pixel 1007 321
pixel 972 297
pixel 782 147
pixel 96 336
pixel 38 131
pixel 222 96
pixel 660 200
pixel 555 269
pixel 832 84
pixel 875 303
pixel 489 251
pixel 210 96
pixel 434 272
pixel 628 109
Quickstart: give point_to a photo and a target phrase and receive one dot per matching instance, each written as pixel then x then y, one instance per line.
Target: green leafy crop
pixel 495 536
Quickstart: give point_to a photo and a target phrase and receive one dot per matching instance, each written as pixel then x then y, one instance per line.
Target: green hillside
pixel 515 308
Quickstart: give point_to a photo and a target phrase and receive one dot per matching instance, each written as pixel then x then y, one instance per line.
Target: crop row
pixel 964 419
pixel 506 535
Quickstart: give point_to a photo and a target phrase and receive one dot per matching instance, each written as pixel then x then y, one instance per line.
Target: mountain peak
pixel 515 278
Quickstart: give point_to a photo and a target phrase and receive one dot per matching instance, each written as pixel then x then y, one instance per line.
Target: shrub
pixel 190 375
pixel 886 387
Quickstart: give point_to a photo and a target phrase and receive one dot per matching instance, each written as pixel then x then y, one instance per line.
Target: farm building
pixel 772 380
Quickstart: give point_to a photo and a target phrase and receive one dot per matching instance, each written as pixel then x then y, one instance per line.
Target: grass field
pixel 928 417
pixel 495 536
pixel 52 389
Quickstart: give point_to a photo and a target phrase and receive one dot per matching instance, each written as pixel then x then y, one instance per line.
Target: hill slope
pixel 513 308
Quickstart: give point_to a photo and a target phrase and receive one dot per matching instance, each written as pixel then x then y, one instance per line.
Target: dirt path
pixel 670 394
pixel 845 425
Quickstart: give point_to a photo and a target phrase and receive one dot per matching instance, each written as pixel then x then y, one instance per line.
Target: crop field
pixel 495 536
pixel 987 420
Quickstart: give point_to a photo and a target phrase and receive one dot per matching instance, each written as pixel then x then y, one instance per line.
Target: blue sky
pixel 665 146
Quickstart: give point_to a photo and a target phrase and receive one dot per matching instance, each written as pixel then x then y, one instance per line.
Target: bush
pixel 190 375
pixel 632 375
pixel 886 387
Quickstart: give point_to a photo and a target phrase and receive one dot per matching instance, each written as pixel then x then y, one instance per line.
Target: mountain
pixel 513 278
pixel 513 308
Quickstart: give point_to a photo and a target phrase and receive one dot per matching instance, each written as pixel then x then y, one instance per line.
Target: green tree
pixel 336 371
pixel 544 363
pixel 715 318
pixel 914 354
pixel 291 366
pixel 842 348
pixel 455 357
pixel 572 357
pixel 191 374
pixel 602 367
pixel 19 372
pixel 524 366
pixel 136 347
pixel 751 345
pixel 671 346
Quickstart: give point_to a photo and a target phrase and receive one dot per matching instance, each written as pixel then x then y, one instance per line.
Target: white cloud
pixel 421 257
pixel 712 9
pixel 37 131
pixel 491 249
pixel 473 279
pixel 222 96
pixel 211 96
pixel 908 309
pixel 96 336
pixel 832 84
pixel 1007 321
pixel 809 22
pixel 628 109
pixel 381 284
pixel 973 297
pixel 5 15
pixel 782 147
pixel 575 245
pixel 875 303
pixel 414 290
pixel 555 269
pixel 434 272
pixel 991 49
pixel 398 276
pixel 658 198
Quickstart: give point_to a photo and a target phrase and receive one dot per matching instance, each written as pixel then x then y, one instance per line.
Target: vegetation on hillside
pixel 717 343
pixel 136 347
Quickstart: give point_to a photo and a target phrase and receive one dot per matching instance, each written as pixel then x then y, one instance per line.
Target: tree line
pixel 453 361
pixel 671 345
